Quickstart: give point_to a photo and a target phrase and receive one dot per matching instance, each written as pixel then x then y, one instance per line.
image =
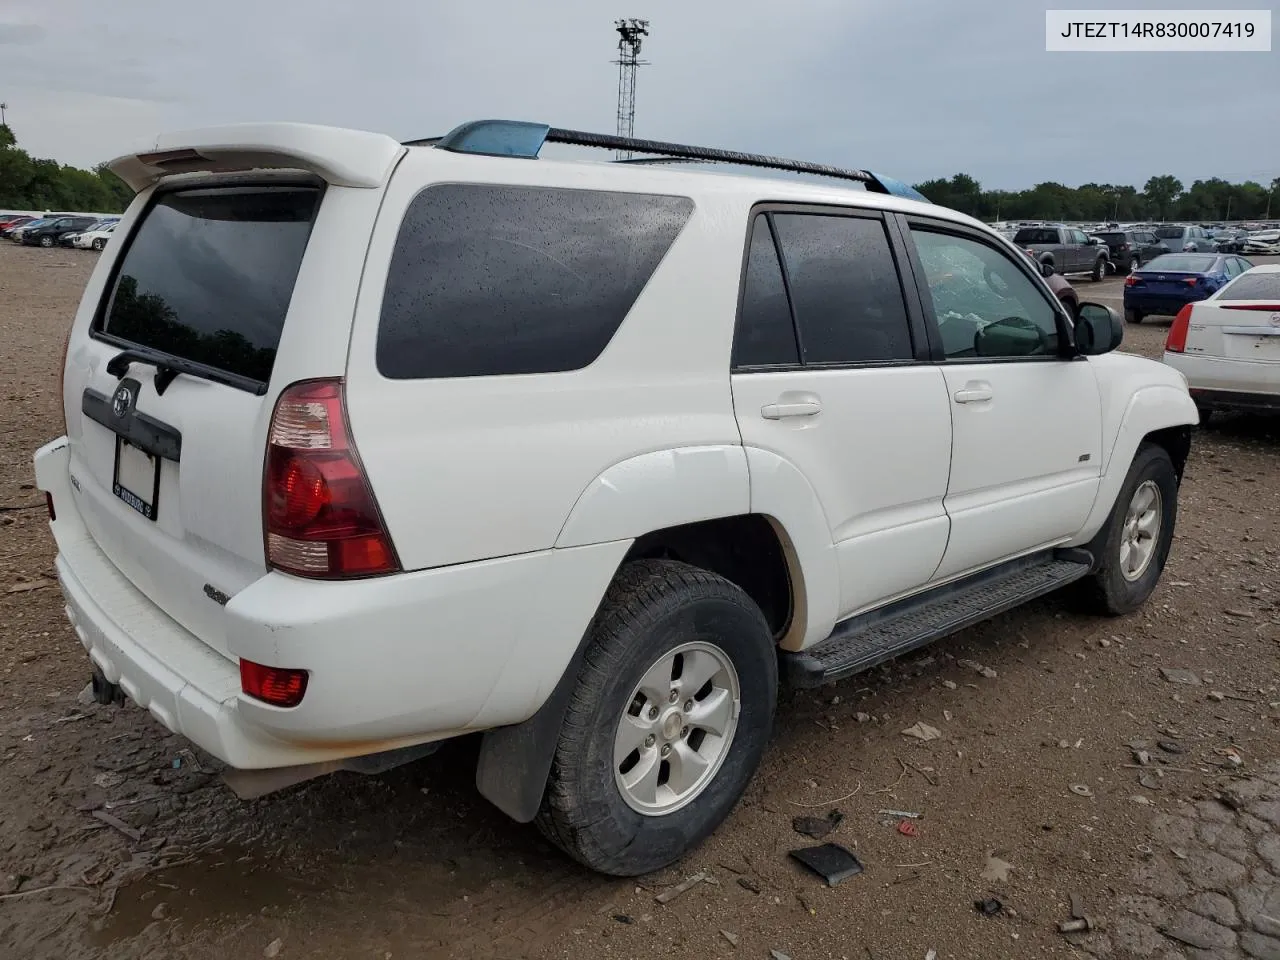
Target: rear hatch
pixel 233 274
pixel 1242 322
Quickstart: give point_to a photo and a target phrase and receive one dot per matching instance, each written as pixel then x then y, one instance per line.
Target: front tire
pixel 1134 264
pixel 46 241
pixel 1139 534
pixel 99 243
pixel 653 753
pixel 1099 270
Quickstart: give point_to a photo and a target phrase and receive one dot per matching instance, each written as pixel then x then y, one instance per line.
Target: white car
pixel 94 239
pixel 1228 345
pixel 1263 242
pixel 383 444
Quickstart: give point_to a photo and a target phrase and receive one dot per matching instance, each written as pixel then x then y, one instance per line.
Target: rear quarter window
pixel 1253 286
pixel 498 280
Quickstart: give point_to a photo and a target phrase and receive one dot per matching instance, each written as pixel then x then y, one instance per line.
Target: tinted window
pixel 1181 263
pixel 1077 236
pixel 209 273
pixel 1254 286
pixel 1035 235
pixel 1169 233
pixel 1112 237
pixel 985 305
pixel 844 288
pixel 488 280
pixel 765 334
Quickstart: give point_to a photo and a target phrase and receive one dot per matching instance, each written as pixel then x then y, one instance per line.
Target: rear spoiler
pixel 345 158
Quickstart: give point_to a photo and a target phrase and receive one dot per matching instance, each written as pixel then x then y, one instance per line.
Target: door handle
pixel 802 408
pixel 973 393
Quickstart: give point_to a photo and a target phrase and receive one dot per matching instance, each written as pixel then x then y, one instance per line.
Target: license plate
pixel 136 478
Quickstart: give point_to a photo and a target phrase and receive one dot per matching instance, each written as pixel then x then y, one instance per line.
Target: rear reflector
pixel 320 516
pixel 1176 342
pixel 274 685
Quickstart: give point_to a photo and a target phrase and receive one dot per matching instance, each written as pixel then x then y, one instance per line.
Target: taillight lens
pixel 1191 281
pixel 319 513
pixel 1274 307
pixel 1131 281
pixel 278 686
pixel 1176 342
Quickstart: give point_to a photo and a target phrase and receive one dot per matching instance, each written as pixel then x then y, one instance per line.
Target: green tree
pixel 1160 193
pixel 30 183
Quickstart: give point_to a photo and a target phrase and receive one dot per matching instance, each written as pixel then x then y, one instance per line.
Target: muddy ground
pixel 415 864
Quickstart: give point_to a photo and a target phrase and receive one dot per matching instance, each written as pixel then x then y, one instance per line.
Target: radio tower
pixel 630 34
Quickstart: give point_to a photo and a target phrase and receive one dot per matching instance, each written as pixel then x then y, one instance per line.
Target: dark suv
pixel 49 233
pixel 1130 249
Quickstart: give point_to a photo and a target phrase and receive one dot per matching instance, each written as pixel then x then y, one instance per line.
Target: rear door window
pixel 845 289
pixel 496 280
pixel 766 336
pixel 209 273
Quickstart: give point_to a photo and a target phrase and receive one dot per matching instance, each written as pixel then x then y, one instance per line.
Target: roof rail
pixel 522 139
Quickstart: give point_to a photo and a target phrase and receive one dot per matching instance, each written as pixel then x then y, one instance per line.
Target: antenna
pixel 630 34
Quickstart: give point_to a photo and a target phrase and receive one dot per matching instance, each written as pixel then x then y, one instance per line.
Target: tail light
pixel 319 513
pixel 1191 281
pixel 277 686
pixel 1176 342
pixel 1131 281
pixel 1275 307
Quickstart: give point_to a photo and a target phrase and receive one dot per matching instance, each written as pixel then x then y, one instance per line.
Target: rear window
pixel 1253 286
pixel 1169 233
pixel 209 273
pixel 1180 263
pixel 494 280
pixel 1111 237
pixel 1035 235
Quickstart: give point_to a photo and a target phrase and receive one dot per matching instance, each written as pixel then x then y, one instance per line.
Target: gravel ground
pixel 1072 768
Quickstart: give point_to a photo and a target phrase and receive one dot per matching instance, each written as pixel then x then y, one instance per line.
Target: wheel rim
pixel 676 729
pixel 1141 530
pixel 1134 264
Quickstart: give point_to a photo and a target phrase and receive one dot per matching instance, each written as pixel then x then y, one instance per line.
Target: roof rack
pixel 522 139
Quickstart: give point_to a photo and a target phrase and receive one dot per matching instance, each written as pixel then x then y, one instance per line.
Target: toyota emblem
pixel 121 401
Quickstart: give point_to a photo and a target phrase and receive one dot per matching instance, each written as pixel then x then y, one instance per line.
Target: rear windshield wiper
pixel 168 367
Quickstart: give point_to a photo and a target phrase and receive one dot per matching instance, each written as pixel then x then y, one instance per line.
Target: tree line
pixel 1161 198
pixel 31 183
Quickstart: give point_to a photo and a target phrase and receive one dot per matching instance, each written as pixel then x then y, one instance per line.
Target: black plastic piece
pixel 169 367
pixel 104 691
pixel 146 433
pixel 863 642
pixel 830 861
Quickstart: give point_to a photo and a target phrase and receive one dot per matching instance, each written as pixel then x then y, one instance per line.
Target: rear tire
pixel 1132 316
pixel 46 241
pixel 599 808
pixel 1099 270
pixel 1135 264
pixel 1139 535
pixel 99 243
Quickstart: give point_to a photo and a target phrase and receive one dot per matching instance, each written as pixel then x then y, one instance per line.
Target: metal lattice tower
pixel 630 34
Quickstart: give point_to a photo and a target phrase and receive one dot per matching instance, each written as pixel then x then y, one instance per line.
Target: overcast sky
pixel 911 89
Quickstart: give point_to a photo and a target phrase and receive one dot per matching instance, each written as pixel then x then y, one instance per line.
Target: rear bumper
pixel 1237 400
pixel 1215 381
pixel 392 661
pixel 1160 304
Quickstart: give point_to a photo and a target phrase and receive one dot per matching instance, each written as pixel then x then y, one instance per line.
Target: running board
pixel 870 639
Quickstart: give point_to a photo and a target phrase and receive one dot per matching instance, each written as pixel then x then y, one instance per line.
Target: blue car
pixel 1171 281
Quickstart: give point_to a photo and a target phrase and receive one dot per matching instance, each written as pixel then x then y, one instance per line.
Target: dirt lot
pixel 415 864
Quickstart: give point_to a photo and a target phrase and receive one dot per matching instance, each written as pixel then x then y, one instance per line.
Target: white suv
pixel 370 445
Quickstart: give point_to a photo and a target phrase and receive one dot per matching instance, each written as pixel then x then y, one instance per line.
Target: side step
pixel 868 640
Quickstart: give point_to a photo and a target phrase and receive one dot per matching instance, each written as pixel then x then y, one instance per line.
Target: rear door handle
pixel 973 393
pixel 801 408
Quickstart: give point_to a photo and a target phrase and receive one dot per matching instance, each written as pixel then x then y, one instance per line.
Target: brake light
pixel 1191 281
pixel 319 514
pixel 277 686
pixel 1176 342
pixel 1275 307
pixel 1131 281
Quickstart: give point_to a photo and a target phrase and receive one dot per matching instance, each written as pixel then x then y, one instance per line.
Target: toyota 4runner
pixel 369 445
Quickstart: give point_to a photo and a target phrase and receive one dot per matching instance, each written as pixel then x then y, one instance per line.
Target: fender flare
pixel 1151 408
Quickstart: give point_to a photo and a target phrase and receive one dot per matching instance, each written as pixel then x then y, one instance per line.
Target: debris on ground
pixel 624 918
pixel 273 948
pixel 1077 906
pixel 1169 746
pixel 976 667
pixel 731 937
pixel 746 883
pixel 862 717
pixel 900 814
pixel 680 888
pixel 908 829
pixel 1080 790
pixel 988 907
pixel 830 861
pixel 778 955
pixel 118 824
pixel 931 955
pixel 922 731
pixel 1079 925
pixel 996 870
pixel 108 780
pixel 1178 675
pixel 817 827
pixel 1232 755
pixel 950 684
pixel 1141 800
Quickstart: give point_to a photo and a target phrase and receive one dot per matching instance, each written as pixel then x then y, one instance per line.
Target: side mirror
pixel 1093 241
pixel 1046 269
pixel 1098 329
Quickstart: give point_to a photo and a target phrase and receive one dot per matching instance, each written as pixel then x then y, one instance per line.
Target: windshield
pixel 1169 233
pixel 209 273
pixel 1180 263
pixel 1254 286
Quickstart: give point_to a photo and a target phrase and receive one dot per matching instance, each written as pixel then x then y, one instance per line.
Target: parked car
pixel 1231 241
pixel 13 223
pixel 1172 280
pixel 1228 346
pixel 1060 285
pixel 1179 238
pixel 49 232
pixel 1066 249
pixel 15 233
pixel 95 238
pixel 69 239
pixel 1264 242
pixel 1130 249
pixel 607 554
